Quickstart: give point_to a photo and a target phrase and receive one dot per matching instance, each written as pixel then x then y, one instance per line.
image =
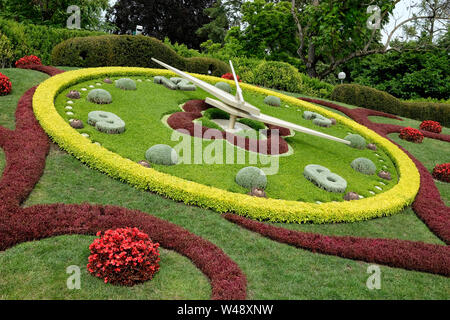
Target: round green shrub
pixel 106 122
pixel 251 177
pixel 215 113
pixel 126 84
pixel 322 122
pixel 254 124
pixel 272 101
pixel 223 86
pixel 99 96
pixel 324 178
pixel 356 141
pixel 162 154
pixel 364 165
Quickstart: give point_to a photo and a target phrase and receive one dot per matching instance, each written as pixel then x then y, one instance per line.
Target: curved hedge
pixel 129 51
pixel 192 193
pixel 374 99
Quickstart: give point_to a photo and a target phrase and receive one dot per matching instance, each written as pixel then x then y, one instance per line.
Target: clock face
pixel 155 114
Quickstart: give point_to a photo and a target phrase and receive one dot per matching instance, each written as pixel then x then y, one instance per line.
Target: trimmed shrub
pixel 411 134
pixel 123 256
pixel 254 124
pixel 165 82
pixel 162 154
pixel 126 84
pixel 278 75
pixel 129 51
pixel 99 96
pixel 28 60
pixel 215 113
pixel 106 122
pixel 272 101
pixel 442 172
pixel 317 119
pixel 223 86
pixel 251 177
pixel 431 126
pixel 324 178
pixel 183 84
pixel 364 165
pixel 357 141
pixel 5 85
pixel 374 99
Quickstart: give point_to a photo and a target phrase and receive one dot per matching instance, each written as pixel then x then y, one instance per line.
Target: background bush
pixel 374 99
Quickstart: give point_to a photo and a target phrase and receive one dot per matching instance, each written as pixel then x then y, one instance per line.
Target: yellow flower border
pixel 192 193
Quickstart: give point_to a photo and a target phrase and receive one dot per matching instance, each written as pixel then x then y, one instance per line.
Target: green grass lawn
pixel 144 128
pixel 273 270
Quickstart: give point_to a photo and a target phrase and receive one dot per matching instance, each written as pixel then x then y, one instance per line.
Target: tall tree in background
pixel 334 32
pixel 176 19
pixel 53 12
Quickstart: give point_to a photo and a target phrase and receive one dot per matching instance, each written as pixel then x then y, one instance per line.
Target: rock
pixel 73 94
pixel 333 121
pixel 351 196
pixel 77 124
pixel 256 192
pixel 371 146
pixel 107 80
pixel 384 175
pixel 144 163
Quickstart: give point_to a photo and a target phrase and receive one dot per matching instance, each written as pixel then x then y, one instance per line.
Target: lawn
pixel 273 270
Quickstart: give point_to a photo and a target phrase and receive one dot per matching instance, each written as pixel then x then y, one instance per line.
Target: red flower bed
pixel 431 126
pixel 5 85
pixel 442 172
pixel 229 76
pixel 28 60
pixel 411 134
pixel 124 256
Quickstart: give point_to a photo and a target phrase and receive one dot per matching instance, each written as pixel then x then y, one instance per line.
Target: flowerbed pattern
pixel 26 149
pixel 387 203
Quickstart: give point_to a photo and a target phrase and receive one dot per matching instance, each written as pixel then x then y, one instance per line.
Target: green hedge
pixel 374 99
pixel 27 39
pixel 129 51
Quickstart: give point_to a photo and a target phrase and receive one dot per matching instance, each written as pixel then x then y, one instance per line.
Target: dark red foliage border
pixel 26 149
pixel 192 110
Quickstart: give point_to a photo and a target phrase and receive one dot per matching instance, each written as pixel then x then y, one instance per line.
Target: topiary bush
pixel 99 96
pixel 251 177
pixel 324 178
pixel 272 101
pixel 357 141
pixel 442 172
pixel 162 154
pixel 411 134
pixel 5 85
pixel 223 86
pixel 126 84
pixel 364 165
pixel 123 256
pixel 106 122
pixel 431 126
pixel 278 75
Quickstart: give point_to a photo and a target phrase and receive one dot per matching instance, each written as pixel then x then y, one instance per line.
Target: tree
pixel 54 12
pixel 175 19
pixel 335 32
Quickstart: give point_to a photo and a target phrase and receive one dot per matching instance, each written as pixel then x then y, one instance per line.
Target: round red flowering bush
pixel 5 85
pixel 431 126
pixel 411 134
pixel 442 172
pixel 123 256
pixel 229 76
pixel 28 60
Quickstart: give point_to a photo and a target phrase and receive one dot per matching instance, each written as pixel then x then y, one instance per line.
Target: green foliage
pixel 6 51
pixel 181 49
pixel 272 101
pixel 208 123
pixel 374 99
pixel 106 122
pixel 135 51
pixel 356 140
pixel 162 154
pixel 126 84
pixel 364 165
pixel 278 75
pixel 251 177
pixel 254 124
pixel 215 113
pixel 99 96
pixel 223 86
pixel 165 82
pixel 28 39
pixel 324 178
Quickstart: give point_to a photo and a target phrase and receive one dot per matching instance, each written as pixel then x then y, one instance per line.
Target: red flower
pixel 442 172
pixel 411 134
pixel 5 85
pixel 229 76
pixel 124 256
pixel 432 126
pixel 28 60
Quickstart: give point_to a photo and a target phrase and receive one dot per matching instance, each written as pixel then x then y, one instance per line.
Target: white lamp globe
pixel 341 75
